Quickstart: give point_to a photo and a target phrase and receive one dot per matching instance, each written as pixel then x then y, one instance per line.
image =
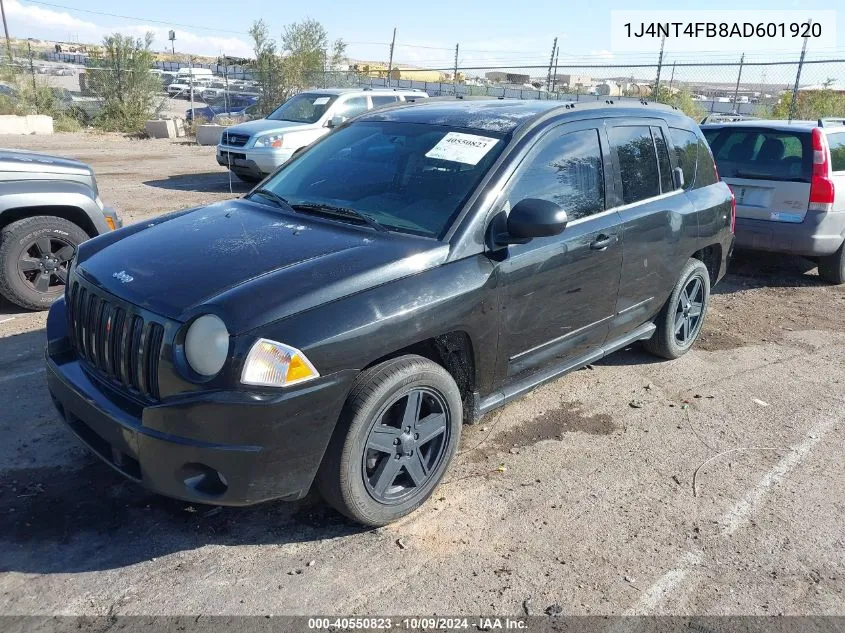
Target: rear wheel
pixel 398 432
pixel 832 267
pixel 35 254
pixel 679 322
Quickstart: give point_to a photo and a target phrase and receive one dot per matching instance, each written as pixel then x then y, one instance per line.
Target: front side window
pixel 637 162
pixel 409 177
pixel 351 107
pixel 566 168
pixel 305 107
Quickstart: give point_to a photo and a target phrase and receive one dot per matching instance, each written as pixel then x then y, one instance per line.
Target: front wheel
pixel 396 437
pixel 679 322
pixel 35 254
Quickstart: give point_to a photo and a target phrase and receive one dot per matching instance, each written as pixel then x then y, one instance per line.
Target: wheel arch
pixel 70 213
pixel 711 256
pixel 454 351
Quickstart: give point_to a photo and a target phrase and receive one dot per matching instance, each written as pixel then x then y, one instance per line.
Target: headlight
pixel 273 364
pixel 207 345
pixel 271 140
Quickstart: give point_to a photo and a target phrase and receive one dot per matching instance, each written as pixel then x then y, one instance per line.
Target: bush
pixel 811 104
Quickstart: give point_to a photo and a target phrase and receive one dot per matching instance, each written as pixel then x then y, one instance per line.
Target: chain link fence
pixel 55 83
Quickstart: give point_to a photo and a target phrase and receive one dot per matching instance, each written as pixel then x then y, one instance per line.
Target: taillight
pixel 821 186
pixel 733 212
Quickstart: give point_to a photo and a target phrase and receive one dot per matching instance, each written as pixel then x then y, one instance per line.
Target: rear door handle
pixel 603 241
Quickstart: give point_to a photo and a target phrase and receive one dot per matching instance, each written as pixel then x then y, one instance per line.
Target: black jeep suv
pixel 414 269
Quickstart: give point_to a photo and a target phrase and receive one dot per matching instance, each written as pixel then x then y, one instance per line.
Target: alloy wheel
pixel 689 311
pixel 43 263
pixel 406 445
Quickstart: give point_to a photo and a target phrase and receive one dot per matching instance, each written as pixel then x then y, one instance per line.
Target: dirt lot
pixel 721 492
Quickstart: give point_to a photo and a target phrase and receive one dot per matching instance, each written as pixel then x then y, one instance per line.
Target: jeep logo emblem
pixel 122 277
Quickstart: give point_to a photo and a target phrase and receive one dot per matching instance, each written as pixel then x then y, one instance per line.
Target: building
pixel 500 77
pixel 573 81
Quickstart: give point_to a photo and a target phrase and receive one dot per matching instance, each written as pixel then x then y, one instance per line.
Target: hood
pixel 25 161
pixel 248 262
pixel 266 125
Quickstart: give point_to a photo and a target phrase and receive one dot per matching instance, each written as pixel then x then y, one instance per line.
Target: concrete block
pixel 29 124
pixel 161 128
pixel 209 134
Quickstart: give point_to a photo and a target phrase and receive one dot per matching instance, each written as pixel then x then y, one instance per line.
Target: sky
pixel 490 32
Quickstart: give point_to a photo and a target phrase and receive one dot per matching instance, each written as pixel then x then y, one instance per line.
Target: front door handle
pixel 603 241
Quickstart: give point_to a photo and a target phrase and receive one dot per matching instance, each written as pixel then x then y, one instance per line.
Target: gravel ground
pixel 721 493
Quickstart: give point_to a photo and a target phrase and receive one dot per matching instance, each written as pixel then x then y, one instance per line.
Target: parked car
pixel 233 117
pixel 233 105
pixel 48 207
pixel 254 149
pixel 414 269
pixel 789 182
pixel 181 87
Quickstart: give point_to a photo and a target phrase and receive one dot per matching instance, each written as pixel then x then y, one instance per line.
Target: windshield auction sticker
pixel 462 148
pixel 706 30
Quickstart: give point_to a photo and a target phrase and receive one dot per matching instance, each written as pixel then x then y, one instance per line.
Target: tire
pixel 664 342
pixel 832 267
pixel 24 265
pixel 351 473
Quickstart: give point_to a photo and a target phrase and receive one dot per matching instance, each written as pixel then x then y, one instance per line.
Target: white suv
pixel 254 149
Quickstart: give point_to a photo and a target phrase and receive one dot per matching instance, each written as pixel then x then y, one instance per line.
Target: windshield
pixel 303 108
pixel 762 154
pixel 408 177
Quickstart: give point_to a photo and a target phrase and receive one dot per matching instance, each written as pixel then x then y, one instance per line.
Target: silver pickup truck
pixel 48 206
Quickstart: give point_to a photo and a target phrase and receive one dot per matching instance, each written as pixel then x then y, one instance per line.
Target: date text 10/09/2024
pixel 745 30
pixel 420 623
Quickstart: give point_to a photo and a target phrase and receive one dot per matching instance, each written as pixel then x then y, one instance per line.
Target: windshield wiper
pixel 336 211
pixel 263 191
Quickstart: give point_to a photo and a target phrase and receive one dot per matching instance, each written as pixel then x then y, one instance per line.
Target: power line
pixel 137 19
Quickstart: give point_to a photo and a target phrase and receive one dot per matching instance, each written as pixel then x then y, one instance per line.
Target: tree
pixel 681 99
pixel 812 104
pixel 302 60
pixel 120 76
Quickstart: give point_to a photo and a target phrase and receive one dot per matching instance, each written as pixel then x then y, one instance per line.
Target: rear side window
pixel 763 154
pixel 637 162
pixel 836 142
pixel 685 148
pixel 662 159
pixel 567 170
pixel 379 100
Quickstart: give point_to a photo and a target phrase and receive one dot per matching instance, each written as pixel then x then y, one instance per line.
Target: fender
pixel 21 194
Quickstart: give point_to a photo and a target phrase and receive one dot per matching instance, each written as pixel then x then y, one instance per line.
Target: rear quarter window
pixel 685 147
pixel 836 142
pixel 705 171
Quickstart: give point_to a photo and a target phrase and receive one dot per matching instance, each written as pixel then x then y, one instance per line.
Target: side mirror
pixel 530 218
pixel 335 121
pixel 678 178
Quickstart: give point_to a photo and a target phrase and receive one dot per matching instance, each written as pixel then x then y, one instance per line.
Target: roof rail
pixel 824 121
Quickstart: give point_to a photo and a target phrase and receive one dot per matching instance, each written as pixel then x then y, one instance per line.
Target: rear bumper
pixel 224 447
pixel 819 234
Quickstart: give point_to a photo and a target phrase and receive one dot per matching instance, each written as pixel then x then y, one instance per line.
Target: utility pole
pixel 191 84
pixel 455 76
pixel 6 29
pixel 225 84
pixel 736 90
pixel 390 62
pixel 554 77
pixel 656 94
pixel 551 61
pixel 32 72
pixel 794 104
